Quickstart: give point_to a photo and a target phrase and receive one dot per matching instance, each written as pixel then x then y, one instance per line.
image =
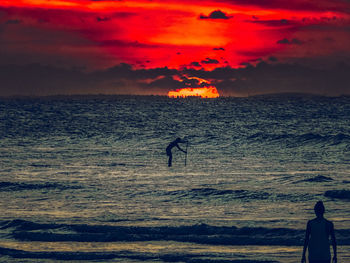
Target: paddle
pixel 186 153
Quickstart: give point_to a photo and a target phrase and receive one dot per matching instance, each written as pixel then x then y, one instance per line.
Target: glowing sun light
pixel 205 92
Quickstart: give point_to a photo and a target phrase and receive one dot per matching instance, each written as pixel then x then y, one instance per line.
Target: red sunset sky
pixel 243 47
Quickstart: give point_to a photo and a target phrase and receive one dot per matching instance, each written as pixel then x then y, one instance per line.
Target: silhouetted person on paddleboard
pixel 171 146
pixel 317 235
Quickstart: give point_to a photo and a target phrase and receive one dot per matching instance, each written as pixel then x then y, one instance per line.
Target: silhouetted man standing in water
pixel 171 146
pixel 317 235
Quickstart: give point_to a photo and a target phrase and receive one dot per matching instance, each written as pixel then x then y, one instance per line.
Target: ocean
pixel 85 178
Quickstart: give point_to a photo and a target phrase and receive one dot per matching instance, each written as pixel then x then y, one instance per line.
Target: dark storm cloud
pixel 273 59
pixel 217 74
pixel 103 19
pixel 267 78
pixel 13 21
pixel 36 79
pixel 163 84
pixel 286 78
pixel 276 23
pixel 125 71
pixel 195 64
pixel 328 28
pixel 255 53
pixel 40 80
pixel 210 61
pixel 293 41
pixel 217 14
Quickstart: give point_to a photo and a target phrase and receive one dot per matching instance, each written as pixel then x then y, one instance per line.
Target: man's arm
pixel 180 148
pixel 334 243
pixel 306 242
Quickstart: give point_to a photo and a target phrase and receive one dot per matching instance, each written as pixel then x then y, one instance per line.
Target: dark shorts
pixel 320 261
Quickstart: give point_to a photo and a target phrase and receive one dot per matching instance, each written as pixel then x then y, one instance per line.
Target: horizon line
pixel 91 95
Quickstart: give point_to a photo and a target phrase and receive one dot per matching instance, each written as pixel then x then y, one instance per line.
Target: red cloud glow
pixel 151 34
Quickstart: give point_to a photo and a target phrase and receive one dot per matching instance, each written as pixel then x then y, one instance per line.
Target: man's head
pixel 319 209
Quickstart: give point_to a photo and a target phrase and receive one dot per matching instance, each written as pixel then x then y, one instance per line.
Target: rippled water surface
pixel 83 177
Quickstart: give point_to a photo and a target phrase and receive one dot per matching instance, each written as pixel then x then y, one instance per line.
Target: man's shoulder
pixel 316 220
pixel 329 223
pixel 312 221
pixel 309 223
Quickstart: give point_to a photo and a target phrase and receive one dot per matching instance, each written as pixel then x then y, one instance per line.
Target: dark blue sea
pixel 85 178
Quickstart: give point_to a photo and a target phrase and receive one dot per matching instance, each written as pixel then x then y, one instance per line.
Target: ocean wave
pixel 10 186
pixel 229 195
pixel 201 234
pixel 301 139
pixel 123 255
pixel 340 194
pixel 199 193
pixel 204 234
pixel 317 179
